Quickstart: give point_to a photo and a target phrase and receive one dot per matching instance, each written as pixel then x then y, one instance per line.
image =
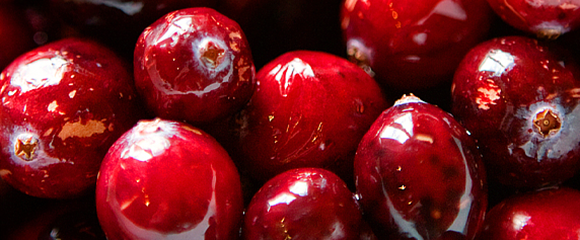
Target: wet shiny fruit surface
pixel 546 19
pixel 419 175
pixel 309 110
pixel 412 44
pixel 542 214
pixel 520 101
pixel 303 203
pixel 63 105
pixel 194 64
pixel 165 179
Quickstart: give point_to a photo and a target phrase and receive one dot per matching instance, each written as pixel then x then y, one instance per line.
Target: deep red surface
pixel 303 203
pixel 413 44
pixel 63 105
pixel 543 214
pixel 309 110
pixel 194 64
pixel 546 19
pixel 165 179
pixel 499 89
pixel 419 174
pixel 16 34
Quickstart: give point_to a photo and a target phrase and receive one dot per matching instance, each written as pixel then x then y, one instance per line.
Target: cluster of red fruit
pixel 214 132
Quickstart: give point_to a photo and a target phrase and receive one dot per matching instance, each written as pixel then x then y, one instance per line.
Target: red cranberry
pixel 194 64
pixel 304 203
pixel 538 215
pixel 310 109
pixel 165 179
pixel 419 174
pixel 63 105
pixel 520 101
pixel 546 19
pixel 413 44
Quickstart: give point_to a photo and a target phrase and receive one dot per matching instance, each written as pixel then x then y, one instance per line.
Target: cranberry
pixel 546 19
pixel 520 101
pixel 419 174
pixel 413 44
pixel 543 214
pixel 194 64
pixel 310 109
pixel 165 179
pixel 63 105
pixel 304 203
pixel 16 34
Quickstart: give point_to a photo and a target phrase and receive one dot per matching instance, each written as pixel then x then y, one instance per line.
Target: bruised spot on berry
pixel 212 55
pixel 25 148
pixel 547 123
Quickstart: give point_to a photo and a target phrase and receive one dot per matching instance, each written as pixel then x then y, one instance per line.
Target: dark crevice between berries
pixel 212 55
pixel 25 149
pixel 547 123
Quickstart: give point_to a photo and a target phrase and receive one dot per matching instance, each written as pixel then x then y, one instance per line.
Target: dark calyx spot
pixel 547 123
pixel 25 148
pixel 212 55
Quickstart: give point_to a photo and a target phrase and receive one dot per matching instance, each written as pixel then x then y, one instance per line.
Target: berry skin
pixel 520 101
pixel 63 105
pixel 419 175
pixel 413 44
pixel 164 179
pixel 310 109
pixel 303 203
pixel 545 19
pixel 195 65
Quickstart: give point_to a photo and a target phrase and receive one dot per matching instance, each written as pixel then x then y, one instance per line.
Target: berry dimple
pixel 194 65
pixel 519 99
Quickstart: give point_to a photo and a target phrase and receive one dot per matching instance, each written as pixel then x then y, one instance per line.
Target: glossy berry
pixel 520 102
pixel 419 175
pixel 303 203
pixel 310 109
pixel 543 214
pixel 546 19
pixel 63 105
pixel 164 179
pixel 194 64
pixel 412 44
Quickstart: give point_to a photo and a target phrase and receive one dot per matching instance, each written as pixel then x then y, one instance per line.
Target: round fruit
pixel 310 109
pixel 546 19
pixel 544 214
pixel 303 203
pixel 168 180
pixel 419 175
pixel 520 101
pixel 63 105
pixel 194 64
pixel 413 44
